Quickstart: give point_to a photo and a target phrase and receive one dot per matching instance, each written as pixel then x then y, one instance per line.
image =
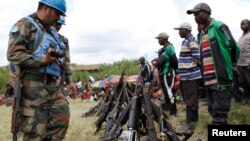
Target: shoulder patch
pixel 14 29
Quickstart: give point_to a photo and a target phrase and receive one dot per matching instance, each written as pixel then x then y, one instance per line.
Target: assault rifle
pixel 149 113
pixel 116 130
pixel 114 113
pixel 111 118
pixel 16 111
pixel 92 111
pixel 134 106
pixel 166 128
pixel 131 133
pixel 104 110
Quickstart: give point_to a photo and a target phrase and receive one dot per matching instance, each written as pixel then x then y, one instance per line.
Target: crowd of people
pixel 213 60
pixel 212 65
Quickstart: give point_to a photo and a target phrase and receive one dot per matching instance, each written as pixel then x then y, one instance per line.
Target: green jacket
pixel 167 59
pixel 225 52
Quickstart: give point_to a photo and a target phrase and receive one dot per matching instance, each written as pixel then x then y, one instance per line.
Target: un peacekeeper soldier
pixel 45 111
pixel 58 26
pixel 66 75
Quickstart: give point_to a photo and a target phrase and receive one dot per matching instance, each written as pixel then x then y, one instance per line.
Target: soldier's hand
pixel 236 70
pixel 47 58
pixel 72 87
pixel 198 62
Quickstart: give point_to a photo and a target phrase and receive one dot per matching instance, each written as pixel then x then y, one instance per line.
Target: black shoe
pixel 238 100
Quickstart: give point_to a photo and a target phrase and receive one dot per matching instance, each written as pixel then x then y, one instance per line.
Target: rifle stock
pixel 16 109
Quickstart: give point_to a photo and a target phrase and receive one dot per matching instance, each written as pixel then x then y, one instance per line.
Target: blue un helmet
pixel 61 20
pixel 59 5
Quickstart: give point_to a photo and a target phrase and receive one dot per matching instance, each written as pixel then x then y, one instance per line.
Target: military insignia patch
pixel 14 29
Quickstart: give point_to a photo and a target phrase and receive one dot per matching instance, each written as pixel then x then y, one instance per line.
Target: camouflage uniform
pixel 66 73
pixel 45 115
pixel 66 42
pixel 66 76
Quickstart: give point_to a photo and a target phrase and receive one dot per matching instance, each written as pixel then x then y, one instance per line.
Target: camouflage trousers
pixel 45 117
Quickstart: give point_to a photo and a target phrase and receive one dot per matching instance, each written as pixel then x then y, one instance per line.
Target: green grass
pixel 5 113
pixel 239 114
pixel 82 129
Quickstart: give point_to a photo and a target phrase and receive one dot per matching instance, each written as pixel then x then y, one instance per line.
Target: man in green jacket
pixel 167 63
pixel 219 54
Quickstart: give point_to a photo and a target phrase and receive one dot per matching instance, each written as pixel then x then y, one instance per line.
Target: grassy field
pixel 82 129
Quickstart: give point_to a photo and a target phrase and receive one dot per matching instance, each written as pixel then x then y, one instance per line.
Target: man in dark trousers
pixel 167 64
pixel 219 52
pixel 145 70
pixel 244 59
pixel 190 74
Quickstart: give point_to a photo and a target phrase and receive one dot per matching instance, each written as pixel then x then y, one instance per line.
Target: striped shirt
pixel 189 54
pixel 208 64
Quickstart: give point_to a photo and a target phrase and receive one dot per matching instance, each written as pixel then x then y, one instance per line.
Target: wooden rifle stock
pixel 16 109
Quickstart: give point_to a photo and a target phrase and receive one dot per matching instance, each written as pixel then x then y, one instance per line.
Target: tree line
pixel 131 65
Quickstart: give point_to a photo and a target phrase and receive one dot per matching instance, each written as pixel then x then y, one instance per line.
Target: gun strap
pixel 17 72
